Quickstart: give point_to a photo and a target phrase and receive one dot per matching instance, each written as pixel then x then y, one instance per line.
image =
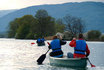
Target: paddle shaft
pixel 47 51
pixel 91 63
pixel 42 57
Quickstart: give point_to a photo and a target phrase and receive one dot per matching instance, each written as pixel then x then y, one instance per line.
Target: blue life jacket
pixel 55 45
pixel 42 39
pixel 38 40
pixel 80 47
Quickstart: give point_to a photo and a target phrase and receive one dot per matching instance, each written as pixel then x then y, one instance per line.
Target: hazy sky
pixel 17 4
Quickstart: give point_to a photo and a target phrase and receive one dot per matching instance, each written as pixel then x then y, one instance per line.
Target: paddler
pixel 81 49
pixel 55 45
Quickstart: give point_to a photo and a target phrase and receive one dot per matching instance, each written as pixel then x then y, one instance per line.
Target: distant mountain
pixel 92 13
pixel 5 12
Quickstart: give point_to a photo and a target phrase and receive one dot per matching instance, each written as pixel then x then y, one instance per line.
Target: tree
pixel 22 31
pixel 102 38
pixel 46 24
pixel 26 25
pixel 41 14
pixel 67 35
pixel 93 35
pixel 13 28
pixel 30 35
pixel 74 25
pixel 60 26
pixel 21 27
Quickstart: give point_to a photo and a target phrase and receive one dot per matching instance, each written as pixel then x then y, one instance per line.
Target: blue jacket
pixel 80 47
pixel 42 39
pixel 55 45
pixel 39 40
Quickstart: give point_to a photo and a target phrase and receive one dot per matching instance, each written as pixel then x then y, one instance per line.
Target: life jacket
pixel 80 47
pixel 42 39
pixel 39 40
pixel 55 45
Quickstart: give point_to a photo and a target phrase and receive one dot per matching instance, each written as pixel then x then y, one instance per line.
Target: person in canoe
pixel 55 45
pixel 43 43
pixel 39 42
pixel 81 49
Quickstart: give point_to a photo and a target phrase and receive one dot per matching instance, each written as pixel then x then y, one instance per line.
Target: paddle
pixel 91 63
pixel 32 43
pixel 42 57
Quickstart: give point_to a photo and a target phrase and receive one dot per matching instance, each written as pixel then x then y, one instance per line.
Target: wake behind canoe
pixel 68 62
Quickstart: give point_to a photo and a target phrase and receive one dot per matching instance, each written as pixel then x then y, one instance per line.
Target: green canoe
pixel 68 62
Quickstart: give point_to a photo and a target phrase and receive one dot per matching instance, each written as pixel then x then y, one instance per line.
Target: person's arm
pixel 72 43
pixel 37 41
pixel 62 42
pixel 87 51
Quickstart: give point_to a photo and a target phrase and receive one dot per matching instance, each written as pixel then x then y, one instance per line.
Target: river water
pixel 21 55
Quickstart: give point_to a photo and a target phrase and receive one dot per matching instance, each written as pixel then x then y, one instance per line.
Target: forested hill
pixel 92 13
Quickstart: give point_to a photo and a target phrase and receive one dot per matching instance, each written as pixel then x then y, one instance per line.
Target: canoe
pixel 68 62
pixel 41 44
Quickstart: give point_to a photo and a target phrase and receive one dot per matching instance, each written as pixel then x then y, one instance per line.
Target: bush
pixel 67 35
pixel 94 35
pixel 30 36
pixel 49 38
pixel 102 38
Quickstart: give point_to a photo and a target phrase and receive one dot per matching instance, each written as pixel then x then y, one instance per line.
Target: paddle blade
pixel 93 65
pixel 41 59
pixel 32 43
pixel 48 43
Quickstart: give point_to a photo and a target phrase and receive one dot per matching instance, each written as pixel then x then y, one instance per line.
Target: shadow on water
pixel 47 66
pixel 79 68
pixel 67 68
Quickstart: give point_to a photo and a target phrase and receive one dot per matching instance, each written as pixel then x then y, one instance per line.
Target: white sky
pixel 17 4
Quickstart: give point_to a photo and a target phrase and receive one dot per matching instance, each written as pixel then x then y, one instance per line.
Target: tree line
pixel 92 35
pixel 43 25
pixel 32 27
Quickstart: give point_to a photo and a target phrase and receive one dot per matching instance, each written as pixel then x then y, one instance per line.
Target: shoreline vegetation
pixel 43 25
pixel 50 39
pixel 96 40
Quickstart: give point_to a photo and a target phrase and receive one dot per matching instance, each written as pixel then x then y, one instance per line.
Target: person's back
pixel 81 49
pixel 43 43
pixel 55 45
pixel 42 39
pixel 39 40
